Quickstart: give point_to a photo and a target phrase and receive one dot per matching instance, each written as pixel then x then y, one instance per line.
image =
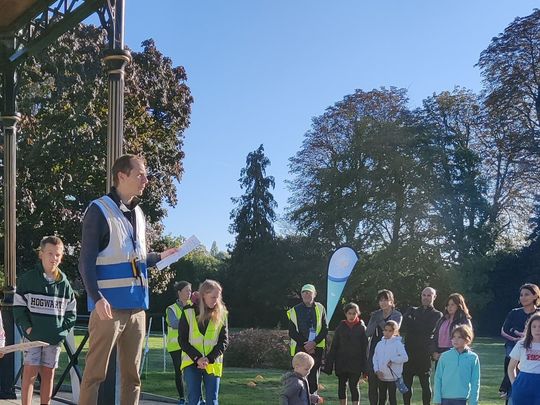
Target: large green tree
pixel 510 67
pixel 253 256
pixel 254 215
pixel 62 138
pixel 405 188
pixel 336 168
pixel 365 177
pixel 454 122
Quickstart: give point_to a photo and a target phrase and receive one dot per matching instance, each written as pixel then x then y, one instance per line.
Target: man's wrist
pixel 96 297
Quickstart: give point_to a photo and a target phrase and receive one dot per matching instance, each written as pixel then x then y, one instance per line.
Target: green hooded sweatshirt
pixel 48 307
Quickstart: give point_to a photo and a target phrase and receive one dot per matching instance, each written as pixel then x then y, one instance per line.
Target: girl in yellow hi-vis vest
pixel 173 313
pixel 203 335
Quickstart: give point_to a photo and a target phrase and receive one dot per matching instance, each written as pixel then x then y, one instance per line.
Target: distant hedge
pixel 258 348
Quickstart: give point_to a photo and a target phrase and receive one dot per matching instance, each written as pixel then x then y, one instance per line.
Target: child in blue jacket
pixel 457 377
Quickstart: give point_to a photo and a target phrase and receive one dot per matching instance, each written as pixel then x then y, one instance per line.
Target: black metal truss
pixel 46 21
pixel 107 17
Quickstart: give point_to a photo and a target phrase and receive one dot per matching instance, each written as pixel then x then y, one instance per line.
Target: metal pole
pixel 164 343
pixel 73 377
pixel 146 347
pixel 116 59
pixel 9 118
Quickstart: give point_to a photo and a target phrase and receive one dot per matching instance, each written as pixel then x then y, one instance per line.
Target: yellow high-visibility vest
pixel 204 343
pixel 172 333
pixel 319 311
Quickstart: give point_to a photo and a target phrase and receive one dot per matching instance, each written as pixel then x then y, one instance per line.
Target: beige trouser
pixel 126 330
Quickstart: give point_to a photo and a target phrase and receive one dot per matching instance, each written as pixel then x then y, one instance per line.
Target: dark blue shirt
pixel 515 322
pixel 307 318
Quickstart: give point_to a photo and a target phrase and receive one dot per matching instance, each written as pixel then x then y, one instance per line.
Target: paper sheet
pixel 189 245
pixel 20 347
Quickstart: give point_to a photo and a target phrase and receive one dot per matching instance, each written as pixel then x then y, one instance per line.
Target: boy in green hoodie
pixel 45 308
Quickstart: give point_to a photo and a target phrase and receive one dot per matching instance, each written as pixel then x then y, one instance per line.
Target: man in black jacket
pixel 417 327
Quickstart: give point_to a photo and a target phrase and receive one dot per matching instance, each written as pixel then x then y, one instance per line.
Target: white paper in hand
pixel 21 347
pixel 189 245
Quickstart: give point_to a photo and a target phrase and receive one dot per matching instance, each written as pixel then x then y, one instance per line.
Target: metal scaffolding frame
pixel 26 28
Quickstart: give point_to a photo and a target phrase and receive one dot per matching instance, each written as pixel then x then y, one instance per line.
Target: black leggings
pixel 408 377
pixel 352 379
pixel 390 388
pixel 177 361
pixel 373 388
pixel 505 384
pixel 313 376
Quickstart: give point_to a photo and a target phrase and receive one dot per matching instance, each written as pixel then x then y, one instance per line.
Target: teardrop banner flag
pixel 340 267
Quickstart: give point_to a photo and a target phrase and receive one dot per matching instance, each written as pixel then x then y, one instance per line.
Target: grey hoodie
pixel 296 390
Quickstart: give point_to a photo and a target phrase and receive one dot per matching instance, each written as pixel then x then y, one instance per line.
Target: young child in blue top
pixel 457 377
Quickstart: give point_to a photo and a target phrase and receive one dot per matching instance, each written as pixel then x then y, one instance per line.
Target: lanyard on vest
pixel 130 231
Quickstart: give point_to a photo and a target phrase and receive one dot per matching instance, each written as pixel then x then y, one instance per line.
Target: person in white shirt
pixel 526 354
pixel 388 362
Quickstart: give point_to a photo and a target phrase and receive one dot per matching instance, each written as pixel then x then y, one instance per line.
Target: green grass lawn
pixel 236 391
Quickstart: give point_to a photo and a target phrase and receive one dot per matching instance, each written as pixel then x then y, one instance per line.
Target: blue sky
pixel 259 70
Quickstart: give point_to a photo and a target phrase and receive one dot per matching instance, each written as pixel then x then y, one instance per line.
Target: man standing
pixel 113 266
pixel 417 327
pixel 308 330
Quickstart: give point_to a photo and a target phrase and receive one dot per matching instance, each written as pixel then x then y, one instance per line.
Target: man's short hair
pixel 430 288
pixel 50 240
pixel 302 358
pixel 123 165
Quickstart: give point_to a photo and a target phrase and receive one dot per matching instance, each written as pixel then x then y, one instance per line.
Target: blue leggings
pixel 525 389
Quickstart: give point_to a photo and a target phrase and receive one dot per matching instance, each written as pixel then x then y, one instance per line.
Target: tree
pixel 454 120
pixel 253 256
pixel 62 139
pixel 510 67
pixel 365 177
pixel 254 215
pixel 261 284
pixel 215 252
